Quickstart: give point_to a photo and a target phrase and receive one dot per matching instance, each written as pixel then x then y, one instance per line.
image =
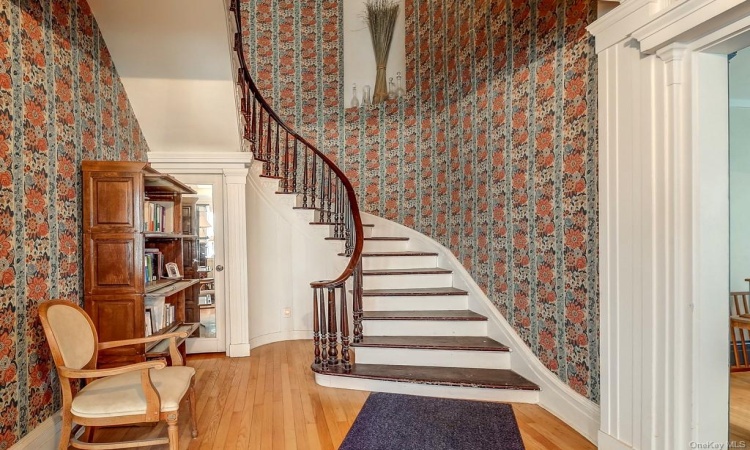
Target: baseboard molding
pixel 607 442
pixel 43 437
pixel 580 413
pixel 280 336
pixel 239 350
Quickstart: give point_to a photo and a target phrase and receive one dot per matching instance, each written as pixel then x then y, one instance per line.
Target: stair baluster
pixel 324 187
pixel 332 333
pixel 357 303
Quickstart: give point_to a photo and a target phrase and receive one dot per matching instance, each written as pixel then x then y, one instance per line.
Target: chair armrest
pixel 143 340
pixel 100 373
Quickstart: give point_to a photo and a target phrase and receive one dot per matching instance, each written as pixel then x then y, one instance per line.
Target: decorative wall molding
pixel 663 100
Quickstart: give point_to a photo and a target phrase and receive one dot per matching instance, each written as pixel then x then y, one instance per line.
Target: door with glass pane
pixel 204 259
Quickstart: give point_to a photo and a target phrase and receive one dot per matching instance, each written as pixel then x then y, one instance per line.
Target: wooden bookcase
pixel 116 234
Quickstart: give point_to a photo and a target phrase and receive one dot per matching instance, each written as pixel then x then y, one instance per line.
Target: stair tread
pixel 446 376
pixel 377 238
pixel 404 253
pixel 272 176
pixel 420 271
pixel 413 292
pixel 339 223
pixel 461 314
pixel 477 343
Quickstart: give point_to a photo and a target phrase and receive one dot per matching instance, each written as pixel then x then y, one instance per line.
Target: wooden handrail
pixel 356 219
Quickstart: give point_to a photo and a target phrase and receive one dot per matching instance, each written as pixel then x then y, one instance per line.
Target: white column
pixel 235 242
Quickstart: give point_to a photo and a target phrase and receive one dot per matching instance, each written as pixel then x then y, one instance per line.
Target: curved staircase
pixel 413 331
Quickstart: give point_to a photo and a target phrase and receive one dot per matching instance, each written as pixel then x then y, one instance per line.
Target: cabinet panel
pixel 114 263
pixel 111 201
pixel 117 317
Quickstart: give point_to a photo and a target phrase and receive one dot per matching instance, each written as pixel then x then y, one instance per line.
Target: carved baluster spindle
pixel 357 302
pixel 348 232
pixel 294 168
pixel 313 186
pixel 329 186
pixel 267 165
pixel 323 197
pixel 339 207
pixel 259 146
pixel 332 333
pixel 323 332
pixel 316 327
pixel 344 330
pixel 286 164
pixel 305 171
pixel 276 155
pixel 253 137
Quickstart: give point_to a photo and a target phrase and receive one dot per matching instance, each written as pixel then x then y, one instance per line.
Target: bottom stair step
pixel 450 382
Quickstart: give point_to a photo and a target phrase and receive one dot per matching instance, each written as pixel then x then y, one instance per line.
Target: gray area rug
pixel 404 422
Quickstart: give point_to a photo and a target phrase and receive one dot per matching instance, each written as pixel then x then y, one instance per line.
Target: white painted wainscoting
pixel 664 215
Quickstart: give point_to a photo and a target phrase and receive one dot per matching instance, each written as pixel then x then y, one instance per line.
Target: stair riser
pixel 432 357
pixel 424 327
pixel 398 387
pixel 416 303
pixel 398 262
pixel 366 230
pixel 386 246
pixel 407 281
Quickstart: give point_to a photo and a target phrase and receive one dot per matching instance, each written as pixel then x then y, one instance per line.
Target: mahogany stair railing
pixel 303 170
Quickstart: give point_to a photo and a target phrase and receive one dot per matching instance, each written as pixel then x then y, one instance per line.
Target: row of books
pixel 156 217
pixel 159 315
pixel 153 265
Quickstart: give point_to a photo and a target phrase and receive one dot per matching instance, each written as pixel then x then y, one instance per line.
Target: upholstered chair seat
pixel 121 395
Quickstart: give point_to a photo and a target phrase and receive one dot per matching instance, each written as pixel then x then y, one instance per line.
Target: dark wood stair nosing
pixel 413 292
pixel 369 225
pixel 404 253
pixel 453 343
pixel 421 271
pixel 440 376
pixel 273 177
pixel 434 316
pixel 375 238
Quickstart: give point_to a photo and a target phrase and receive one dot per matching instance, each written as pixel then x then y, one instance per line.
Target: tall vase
pixel 381 87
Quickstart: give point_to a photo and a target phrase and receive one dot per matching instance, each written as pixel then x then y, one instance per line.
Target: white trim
pixel 607 442
pixel 44 437
pixel 557 397
pixel 238 350
pixel 199 162
pixel 289 335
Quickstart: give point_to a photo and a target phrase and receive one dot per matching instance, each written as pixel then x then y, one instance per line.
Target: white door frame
pixel 233 168
pixel 664 220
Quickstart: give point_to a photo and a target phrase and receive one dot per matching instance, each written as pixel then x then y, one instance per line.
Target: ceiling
pixel 174 60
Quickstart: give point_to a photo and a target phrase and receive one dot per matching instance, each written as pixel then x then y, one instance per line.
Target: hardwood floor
pixel 739 407
pixel 270 401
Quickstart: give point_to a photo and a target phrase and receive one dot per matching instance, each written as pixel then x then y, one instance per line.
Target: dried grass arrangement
pixel 381 19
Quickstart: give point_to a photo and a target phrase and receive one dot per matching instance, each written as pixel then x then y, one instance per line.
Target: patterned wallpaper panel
pixel 61 102
pixel 492 152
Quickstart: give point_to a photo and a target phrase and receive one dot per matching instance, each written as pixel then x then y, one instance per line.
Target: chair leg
pixel 65 432
pixel 172 431
pixel 191 399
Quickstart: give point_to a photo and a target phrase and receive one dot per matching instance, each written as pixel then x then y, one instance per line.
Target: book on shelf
pixel 158 217
pixel 153 262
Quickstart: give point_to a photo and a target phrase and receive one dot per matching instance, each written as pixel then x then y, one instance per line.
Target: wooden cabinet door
pixel 114 263
pixel 111 202
pixel 118 317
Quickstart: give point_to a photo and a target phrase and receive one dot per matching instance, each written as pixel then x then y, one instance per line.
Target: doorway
pixel 206 262
pixel 739 241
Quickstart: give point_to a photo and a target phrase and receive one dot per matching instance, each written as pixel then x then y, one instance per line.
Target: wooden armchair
pixel 739 327
pixel 137 393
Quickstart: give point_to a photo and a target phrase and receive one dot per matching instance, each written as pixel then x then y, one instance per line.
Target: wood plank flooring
pixel 739 407
pixel 270 401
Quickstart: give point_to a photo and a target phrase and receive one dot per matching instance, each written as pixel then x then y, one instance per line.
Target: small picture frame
pixel 148 321
pixel 172 270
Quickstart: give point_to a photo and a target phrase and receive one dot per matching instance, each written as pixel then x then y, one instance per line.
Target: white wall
pixel 175 62
pixel 285 254
pixel 359 57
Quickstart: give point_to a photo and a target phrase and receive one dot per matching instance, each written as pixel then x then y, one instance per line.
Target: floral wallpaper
pixel 61 102
pixel 492 152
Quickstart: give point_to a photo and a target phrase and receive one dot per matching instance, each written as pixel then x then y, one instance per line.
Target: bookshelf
pixel 132 227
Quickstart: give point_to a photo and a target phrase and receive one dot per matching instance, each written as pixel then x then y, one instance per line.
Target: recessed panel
pixel 114 202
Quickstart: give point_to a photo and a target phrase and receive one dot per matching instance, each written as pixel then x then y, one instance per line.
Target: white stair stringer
pixel 554 395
